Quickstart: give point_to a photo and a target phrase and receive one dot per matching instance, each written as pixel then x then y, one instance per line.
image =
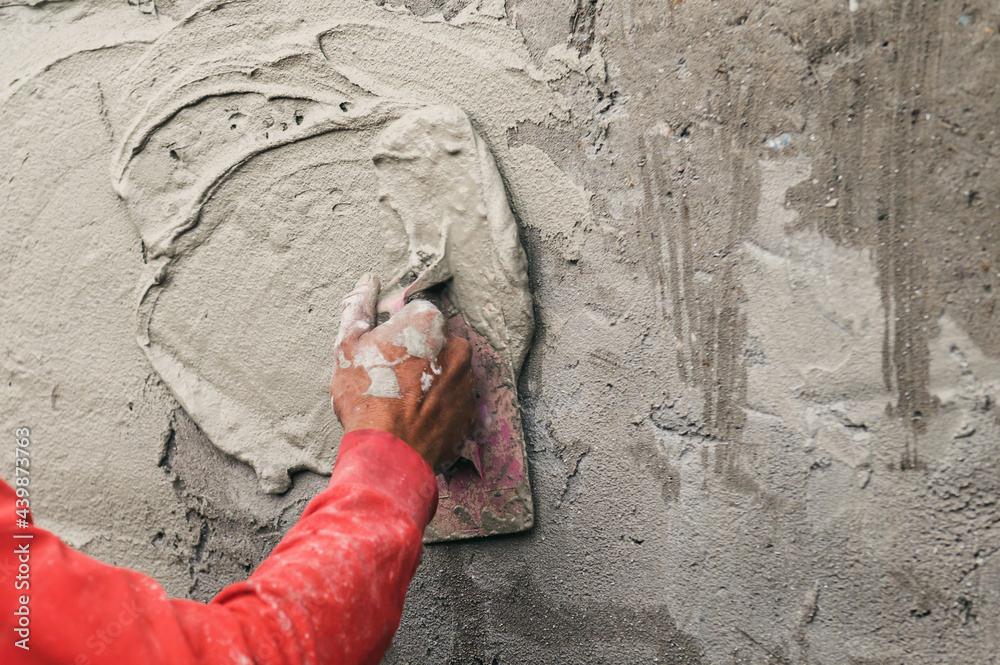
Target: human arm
pixel 331 592
pixel 333 589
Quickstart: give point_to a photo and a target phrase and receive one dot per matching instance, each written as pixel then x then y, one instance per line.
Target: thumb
pixel 357 312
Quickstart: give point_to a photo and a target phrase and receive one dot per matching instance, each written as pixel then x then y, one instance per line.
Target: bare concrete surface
pixel 761 401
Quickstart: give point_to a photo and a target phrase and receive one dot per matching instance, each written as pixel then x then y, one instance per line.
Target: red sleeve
pixel 331 592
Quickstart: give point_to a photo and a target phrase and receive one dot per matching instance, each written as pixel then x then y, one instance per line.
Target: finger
pixel 357 312
pixel 460 376
pixel 457 356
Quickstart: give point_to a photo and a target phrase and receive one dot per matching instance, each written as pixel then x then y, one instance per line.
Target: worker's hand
pixel 409 376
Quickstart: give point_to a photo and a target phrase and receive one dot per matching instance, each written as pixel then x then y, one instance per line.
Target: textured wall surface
pixel 761 406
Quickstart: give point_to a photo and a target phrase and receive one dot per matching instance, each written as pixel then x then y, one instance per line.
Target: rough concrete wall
pixel 761 405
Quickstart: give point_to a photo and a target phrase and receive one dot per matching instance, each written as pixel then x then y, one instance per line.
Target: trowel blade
pixel 491 493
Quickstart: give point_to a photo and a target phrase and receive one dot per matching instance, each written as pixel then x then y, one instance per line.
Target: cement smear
pixel 440 181
pixel 235 137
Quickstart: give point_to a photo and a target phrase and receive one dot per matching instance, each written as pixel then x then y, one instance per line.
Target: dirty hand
pixel 409 376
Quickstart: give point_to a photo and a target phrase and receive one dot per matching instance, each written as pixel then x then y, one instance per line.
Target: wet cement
pixel 315 137
pixel 761 400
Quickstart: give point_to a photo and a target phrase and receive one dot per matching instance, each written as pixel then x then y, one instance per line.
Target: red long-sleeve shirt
pixel 331 592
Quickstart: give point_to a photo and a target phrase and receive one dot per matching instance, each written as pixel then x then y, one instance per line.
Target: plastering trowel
pixel 437 177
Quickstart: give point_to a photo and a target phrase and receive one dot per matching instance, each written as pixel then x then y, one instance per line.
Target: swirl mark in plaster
pixel 247 171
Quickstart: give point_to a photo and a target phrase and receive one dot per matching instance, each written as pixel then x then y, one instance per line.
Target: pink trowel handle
pixel 396 297
pixel 392 303
pixel 492 494
pixel 393 298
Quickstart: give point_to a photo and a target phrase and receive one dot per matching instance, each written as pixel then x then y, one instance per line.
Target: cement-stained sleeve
pixel 332 590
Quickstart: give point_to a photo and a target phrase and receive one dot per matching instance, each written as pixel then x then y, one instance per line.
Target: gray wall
pixel 758 434
pixel 761 403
